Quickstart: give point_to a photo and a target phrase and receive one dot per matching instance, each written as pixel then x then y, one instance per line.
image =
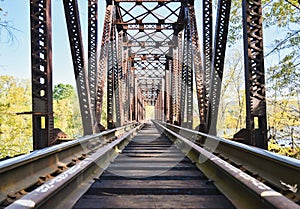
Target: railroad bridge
pixel 150 54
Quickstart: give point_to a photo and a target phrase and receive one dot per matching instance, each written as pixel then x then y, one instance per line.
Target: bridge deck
pixel 151 173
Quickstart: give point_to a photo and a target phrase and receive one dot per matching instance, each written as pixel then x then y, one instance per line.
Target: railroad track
pixel 150 172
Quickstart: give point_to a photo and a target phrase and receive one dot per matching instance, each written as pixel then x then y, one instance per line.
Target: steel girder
pixel 118 79
pixel 153 39
pixel 114 72
pixel 199 72
pixel 256 118
pixel 41 71
pixel 186 95
pixel 149 35
pixel 177 63
pixel 207 43
pixel 102 64
pixel 79 64
pixel 221 33
pixel 111 70
pixel 93 57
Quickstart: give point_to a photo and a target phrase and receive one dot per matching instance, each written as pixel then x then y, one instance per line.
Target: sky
pixel 15 56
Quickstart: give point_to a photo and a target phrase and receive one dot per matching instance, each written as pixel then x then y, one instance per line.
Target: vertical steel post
pixel 175 85
pixel 190 77
pixel 41 73
pixel 110 82
pixel 118 78
pixel 256 119
pixel 171 85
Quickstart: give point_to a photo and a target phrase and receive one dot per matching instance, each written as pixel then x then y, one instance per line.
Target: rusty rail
pixel 22 175
pixel 218 159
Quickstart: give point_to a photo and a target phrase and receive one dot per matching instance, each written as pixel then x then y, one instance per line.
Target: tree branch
pixel 282 42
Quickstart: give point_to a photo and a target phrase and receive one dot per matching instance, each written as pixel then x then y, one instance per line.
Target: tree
pixel 231 116
pixel 282 62
pixel 285 73
pixel 6 29
pixel 15 129
pixel 62 91
pixel 66 110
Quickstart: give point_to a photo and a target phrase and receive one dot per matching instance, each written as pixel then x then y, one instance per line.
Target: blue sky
pixel 15 56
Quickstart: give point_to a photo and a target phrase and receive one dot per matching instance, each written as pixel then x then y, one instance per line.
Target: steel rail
pixel 24 173
pixel 65 189
pixel 241 188
pixel 276 169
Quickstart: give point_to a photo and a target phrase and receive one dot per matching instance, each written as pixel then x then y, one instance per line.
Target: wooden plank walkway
pixel 151 173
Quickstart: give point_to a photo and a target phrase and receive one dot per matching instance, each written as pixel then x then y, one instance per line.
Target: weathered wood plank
pixel 154 201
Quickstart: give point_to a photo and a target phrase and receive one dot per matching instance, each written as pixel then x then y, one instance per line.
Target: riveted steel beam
pixel 199 73
pixel 186 95
pixel 207 42
pixel 222 24
pixel 79 63
pixel 102 64
pixel 93 56
pixel 41 73
pixel 256 117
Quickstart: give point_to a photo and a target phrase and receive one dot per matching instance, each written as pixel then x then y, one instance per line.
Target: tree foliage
pixel 66 110
pixel 15 129
pixel 282 62
pixel 62 91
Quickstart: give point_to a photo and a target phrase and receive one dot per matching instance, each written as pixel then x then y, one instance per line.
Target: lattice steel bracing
pixel 102 64
pixel 218 62
pixel 186 95
pixel 92 56
pixel 207 42
pixel 256 119
pixel 111 69
pixel 41 61
pixel 148 28
pixel 117 78
pixel 199 72
pixel 178 66
pixel 79 64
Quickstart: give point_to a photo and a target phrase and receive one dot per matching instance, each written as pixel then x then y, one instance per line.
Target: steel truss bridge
pixel 151 54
